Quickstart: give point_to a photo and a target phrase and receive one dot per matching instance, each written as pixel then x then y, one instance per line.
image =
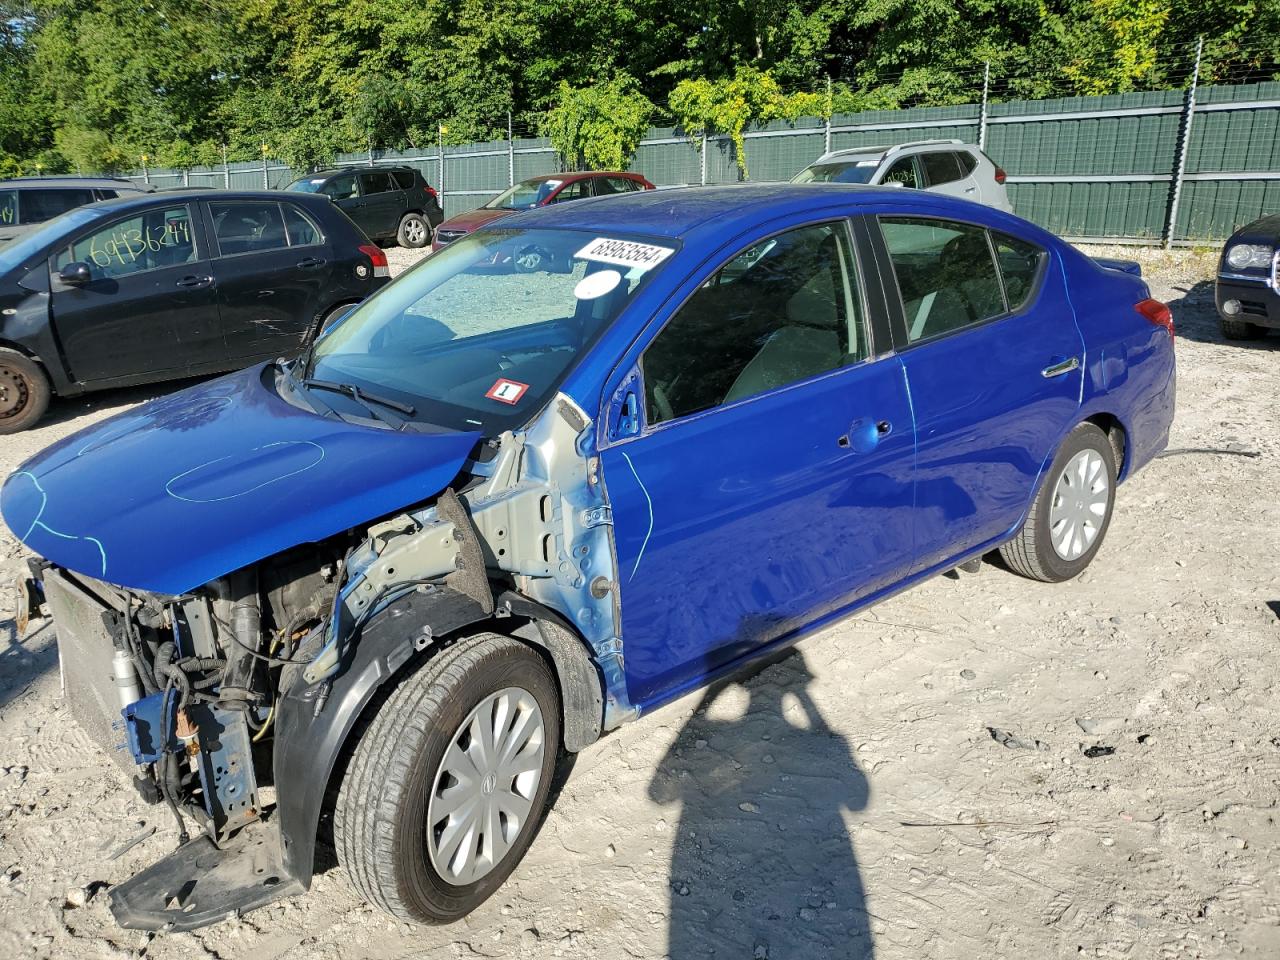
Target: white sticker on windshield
pixel 868 163
pixel 597 284
pixel 624 253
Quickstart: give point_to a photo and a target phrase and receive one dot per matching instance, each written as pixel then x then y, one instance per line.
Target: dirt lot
pixel 850 800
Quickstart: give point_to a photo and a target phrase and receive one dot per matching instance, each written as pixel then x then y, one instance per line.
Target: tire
pixel 332 316
pixel 397 776
pixel 1240 329
pixel 24 391
pixel 414 231
pixel 1038 550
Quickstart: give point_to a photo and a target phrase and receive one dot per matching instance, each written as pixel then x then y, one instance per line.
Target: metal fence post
pixel 186 177
pixel 1184 141
pixel 982 109
pixel 440 161
pixel 226 169
pixel 703 151
pixel 826 133
pixel 146 177
pixel 371 151
pixel 266 183
pixel 511 154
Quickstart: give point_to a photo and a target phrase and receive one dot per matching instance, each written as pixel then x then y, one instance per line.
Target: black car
pixel 28 201
pixel 387 203
pixel 171 285
pixel 1248 291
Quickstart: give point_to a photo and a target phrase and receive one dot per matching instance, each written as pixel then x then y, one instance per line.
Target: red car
pixel 538 192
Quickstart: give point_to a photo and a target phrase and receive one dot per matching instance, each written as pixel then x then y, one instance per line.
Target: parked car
pixel 165 285
pixel 540 192
pixel 387 203
pixel 1248 288
pixel 941 166
pixel 495 514
pixel 28 201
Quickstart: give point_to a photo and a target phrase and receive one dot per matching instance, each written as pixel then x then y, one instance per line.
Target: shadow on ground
pixel 22 661
pixel 763 865
pixel 66 410
pixel 1195 317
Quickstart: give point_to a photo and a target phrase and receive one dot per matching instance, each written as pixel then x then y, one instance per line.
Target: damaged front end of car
pixel 235 702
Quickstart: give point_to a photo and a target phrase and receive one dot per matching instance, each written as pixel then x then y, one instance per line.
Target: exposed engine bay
pixel 233 703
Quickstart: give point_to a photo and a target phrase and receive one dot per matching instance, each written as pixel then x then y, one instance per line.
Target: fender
pixel 314 722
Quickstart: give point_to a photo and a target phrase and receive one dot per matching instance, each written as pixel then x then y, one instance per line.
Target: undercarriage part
pixel 199 883
pixel 227 780
pixel 128 687
pixel 580 691
pixel 239 593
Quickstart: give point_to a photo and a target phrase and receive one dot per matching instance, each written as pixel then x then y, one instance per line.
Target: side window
pixel 783 310
pixel 945 274
pixel 341 188
pixel 574 191
pixel 401 179
pixel 101 194
pixel 247 226
pixel 375 183
pixel 968 162
pixel 8 207
pixel 157 238
pixel 1020 264
pixel 903 171
pixel 41 205
pixel 624 185
pixel 940 168
pixel 302 230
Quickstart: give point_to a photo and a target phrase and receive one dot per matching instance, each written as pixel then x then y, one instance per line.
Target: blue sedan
pixel 565 470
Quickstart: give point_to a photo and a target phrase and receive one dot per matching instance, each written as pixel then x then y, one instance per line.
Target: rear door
pixel 993 358
pixel 770 481
pixel 383 202
pixel 344 192
pixel 273 269
pixel 149 307
pixel 973 186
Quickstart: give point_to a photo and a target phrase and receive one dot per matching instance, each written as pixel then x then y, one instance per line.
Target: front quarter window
pixel 481 334
pixel 8 208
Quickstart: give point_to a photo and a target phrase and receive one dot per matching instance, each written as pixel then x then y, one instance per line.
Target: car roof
pixel 572 175
pixel 679 212
pixel 112 183
pixel 361 168
pixel 883 151
pixel 180 194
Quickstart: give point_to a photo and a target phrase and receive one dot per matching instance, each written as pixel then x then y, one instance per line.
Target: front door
pixel 272 268
pixel 342 190
pixel 149 306
pixel 383 203
pixel 994 360
pixel 770 481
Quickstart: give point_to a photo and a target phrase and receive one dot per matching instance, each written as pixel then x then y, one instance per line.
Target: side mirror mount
pixel 624 409
pixel 75 274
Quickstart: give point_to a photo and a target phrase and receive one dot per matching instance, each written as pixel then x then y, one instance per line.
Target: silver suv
pixel 27 201
pixel 944 166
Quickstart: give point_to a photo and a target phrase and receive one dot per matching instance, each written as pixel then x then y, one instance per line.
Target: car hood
pixel 195 485
pixel 474 220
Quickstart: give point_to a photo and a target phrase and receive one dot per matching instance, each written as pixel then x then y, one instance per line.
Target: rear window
pixel 968 162
pixel 403 179
pixel 41 205
pixel 375 183
pixel 302 230
pixel 8 207
pixel 940 168
pixel 1020 264
pixel 247 226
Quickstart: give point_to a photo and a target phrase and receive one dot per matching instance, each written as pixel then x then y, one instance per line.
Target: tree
pixel 598 127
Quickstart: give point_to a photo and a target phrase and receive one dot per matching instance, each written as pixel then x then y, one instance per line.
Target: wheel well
pixel 1111 426
pixel 34 358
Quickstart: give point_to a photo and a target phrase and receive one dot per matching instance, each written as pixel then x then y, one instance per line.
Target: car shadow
pixel 24 659
pixel 762 864
pixel 67 409
pixel 1195 317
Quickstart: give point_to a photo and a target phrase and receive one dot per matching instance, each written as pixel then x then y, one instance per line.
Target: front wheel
pixel 24 391
pixel 1071 513
pixel 1240 329
pixel 414 231
pixel 450 780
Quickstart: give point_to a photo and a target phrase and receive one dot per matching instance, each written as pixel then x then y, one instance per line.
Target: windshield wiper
pixel 365 400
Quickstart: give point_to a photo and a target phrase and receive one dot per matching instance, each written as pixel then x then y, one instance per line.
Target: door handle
pixel 195 281
pixel 970 189
pixel 310 263
pixel 1061 367
pixel 864 435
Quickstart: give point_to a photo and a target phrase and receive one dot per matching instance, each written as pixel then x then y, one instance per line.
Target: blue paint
pixel 195 485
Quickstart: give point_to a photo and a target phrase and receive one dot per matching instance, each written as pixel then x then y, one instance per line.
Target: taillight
pixel 1157 312
pixel 1001 176
pixel 430 191
pixel 377 257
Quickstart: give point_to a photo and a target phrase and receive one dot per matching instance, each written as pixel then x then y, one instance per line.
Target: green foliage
pixel 598 127
pixel 93 84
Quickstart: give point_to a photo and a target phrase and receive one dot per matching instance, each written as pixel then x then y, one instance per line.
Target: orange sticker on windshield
pixel 507 391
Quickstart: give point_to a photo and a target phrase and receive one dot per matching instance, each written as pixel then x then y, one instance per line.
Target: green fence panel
pixel 1212 209
pixel 1102 210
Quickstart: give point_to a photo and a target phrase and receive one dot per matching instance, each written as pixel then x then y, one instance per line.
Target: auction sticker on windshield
pixel 507 391
pixel 624 253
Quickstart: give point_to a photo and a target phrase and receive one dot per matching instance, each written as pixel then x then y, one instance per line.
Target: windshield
pixel 480 335
pixel 306 185
pixel 845 171
pixel 524 196
pixel 19 251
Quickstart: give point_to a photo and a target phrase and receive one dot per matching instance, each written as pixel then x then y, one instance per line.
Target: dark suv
pixel 174 284
pixel 387 203
pixel 27 201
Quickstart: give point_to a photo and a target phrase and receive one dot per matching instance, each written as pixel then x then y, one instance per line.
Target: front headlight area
pixel 1249 256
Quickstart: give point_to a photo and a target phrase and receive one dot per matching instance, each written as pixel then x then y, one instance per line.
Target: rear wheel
pixel 334 315
pixel 449 781
pixel 414 231
pixel 1071 513
pixel 24 391
pixel 1241 329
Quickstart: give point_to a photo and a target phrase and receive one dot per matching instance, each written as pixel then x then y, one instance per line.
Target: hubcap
pixel 14 392
pixel 415 230
pixel 483 791
pixel 1079 506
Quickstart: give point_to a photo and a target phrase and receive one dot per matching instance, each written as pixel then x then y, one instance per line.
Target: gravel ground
pixel 850 800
